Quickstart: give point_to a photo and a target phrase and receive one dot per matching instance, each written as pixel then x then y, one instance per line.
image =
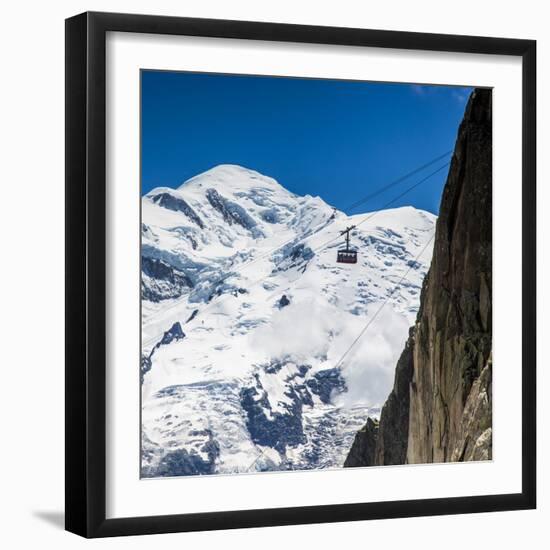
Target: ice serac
pixel 440 407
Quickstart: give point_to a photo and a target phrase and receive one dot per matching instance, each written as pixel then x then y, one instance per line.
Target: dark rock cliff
pixel 440 408
pixel 177 204
pixel 364 445
pixel 163 280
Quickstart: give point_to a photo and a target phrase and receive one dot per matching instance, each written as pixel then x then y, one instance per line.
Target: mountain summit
pixel 246 316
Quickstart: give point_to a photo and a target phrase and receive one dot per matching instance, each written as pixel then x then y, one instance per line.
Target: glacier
pixel 246 316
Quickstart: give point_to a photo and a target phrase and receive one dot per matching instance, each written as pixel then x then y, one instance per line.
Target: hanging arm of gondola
pixel 347 256
pixel 346 232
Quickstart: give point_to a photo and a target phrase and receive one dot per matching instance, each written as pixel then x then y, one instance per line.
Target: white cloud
pixel 369 369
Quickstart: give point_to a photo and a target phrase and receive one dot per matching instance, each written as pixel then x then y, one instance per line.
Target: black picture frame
pixel 86 280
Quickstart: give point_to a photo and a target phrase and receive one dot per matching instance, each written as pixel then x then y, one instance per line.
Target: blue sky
pixel 338 139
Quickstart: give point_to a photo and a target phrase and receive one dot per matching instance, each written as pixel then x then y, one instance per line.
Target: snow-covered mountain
pixel 246 316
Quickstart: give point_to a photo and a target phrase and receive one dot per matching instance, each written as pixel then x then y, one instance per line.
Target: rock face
pixel 161 281
pixel 364 445
pixel 231 211
pixel 177 204
pixel 393 432
pixel 281 426
pixel 440 408
pixel 475 432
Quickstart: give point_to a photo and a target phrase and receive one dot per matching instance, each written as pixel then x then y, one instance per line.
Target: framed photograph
pixel 300 274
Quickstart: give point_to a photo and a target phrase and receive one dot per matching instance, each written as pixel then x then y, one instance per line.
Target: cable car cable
pixel 394 183
pixel 393 201
pixel 369 217
pixel 364 200
pixel 371 320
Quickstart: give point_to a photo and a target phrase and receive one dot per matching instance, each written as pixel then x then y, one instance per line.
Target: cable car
pixel 347 255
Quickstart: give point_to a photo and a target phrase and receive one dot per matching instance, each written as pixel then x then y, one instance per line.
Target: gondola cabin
pixel 347 255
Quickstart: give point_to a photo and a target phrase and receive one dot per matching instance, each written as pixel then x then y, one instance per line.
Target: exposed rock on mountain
pixel 364 445
pixel 440 407
pixel 161 281
pixel 177 204
pixel 393 432
pixel 474 438
pixel 231 211
pixel 174 334
pixel 283 301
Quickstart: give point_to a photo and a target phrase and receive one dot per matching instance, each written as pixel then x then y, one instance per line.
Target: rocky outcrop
pixel 391 445
pixel 181 462
pixel 173 334
pixel 278 423
pixel 440 407
pixel 283 301
pixel 475 432
pixel 364 445
pixel 232 212
pixel 177 204
pixel 161 281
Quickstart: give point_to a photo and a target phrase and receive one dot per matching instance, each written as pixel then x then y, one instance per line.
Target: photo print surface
pixel 316 279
